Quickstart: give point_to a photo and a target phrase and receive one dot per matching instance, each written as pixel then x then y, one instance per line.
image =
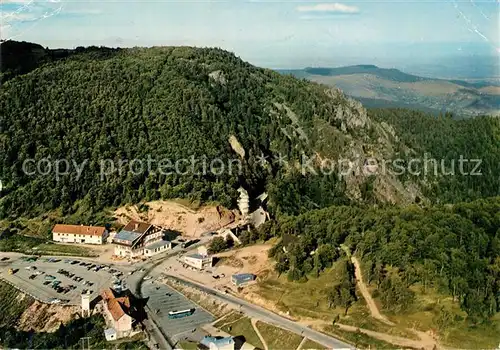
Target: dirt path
pixel 375 312
pixel 427 343
pixel 262 340
pixel 426 340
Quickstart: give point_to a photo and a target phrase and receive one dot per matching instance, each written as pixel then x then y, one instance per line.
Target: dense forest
pixel 452 248
pixel 80 109
pixel 444 138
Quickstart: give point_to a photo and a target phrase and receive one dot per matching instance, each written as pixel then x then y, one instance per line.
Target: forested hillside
pixel 175 103
pixel 452 249
pixel 446 140
pixel 93 106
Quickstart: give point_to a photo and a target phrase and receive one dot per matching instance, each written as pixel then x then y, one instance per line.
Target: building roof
pixel 131 232
pixel 219 342
pixel 137 227
pixel 107 294
pixel 109 332
pixel 117 307
pixel 244 276
pixel 79 230
pixel 197 256
pixel 127 236
pixel 157 245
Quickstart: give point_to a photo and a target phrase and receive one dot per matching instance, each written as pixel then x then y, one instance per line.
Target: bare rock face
pixel 218 76
pixel 350 112
pixel 236 146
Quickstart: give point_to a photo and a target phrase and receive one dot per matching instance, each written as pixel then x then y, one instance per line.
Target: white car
pixel 54 301
pixel 147 278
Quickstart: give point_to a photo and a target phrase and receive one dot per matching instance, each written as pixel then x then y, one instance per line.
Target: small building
pixel 214 343
pixel 242 279
pixel 139 239
pixel 201 260
pixel 157 247
pixel 110 334
pixel 117 313
pixel 79 234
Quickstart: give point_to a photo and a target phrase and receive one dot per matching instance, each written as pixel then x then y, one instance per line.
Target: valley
pixel 381 87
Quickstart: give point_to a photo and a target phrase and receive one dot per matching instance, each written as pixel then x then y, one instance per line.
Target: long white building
pixel 79 234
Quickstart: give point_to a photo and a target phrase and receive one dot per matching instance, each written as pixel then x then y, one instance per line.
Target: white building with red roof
pixel 79 234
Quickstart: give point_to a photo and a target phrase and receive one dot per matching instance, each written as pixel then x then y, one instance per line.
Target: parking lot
pixel 163 299
pixel 60 280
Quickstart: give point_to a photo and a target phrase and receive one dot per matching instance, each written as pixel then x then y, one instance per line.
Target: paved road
pixel 155 269
pixel 270 317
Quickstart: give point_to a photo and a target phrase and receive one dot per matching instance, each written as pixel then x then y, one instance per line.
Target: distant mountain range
pixel 383 87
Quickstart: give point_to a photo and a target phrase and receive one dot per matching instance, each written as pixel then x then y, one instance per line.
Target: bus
pixel 181 313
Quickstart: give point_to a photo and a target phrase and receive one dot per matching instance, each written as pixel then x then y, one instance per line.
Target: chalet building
pixel 140 239
pixel 79 234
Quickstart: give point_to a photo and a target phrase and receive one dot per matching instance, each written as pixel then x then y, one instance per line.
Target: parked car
pixel 54 301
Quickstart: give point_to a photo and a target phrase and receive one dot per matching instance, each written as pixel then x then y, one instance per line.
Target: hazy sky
pixel 268 33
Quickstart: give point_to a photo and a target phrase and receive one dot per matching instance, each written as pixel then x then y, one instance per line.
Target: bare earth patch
pixel 178 217
pixel 42 317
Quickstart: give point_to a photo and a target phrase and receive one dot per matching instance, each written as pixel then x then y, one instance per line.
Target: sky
pixel 274 34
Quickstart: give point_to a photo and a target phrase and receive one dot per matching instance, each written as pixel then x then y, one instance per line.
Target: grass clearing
pixel 307 299
pixel 231 318
pixel 278 338
pixel 13 304
pixel 243 327
pixel 312 345
pixel 188 345
pixel 358 339
pixel 63 249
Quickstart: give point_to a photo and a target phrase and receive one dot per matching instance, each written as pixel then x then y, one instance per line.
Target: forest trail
pixel 374 311
pixel 426 343
pixel 426 340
